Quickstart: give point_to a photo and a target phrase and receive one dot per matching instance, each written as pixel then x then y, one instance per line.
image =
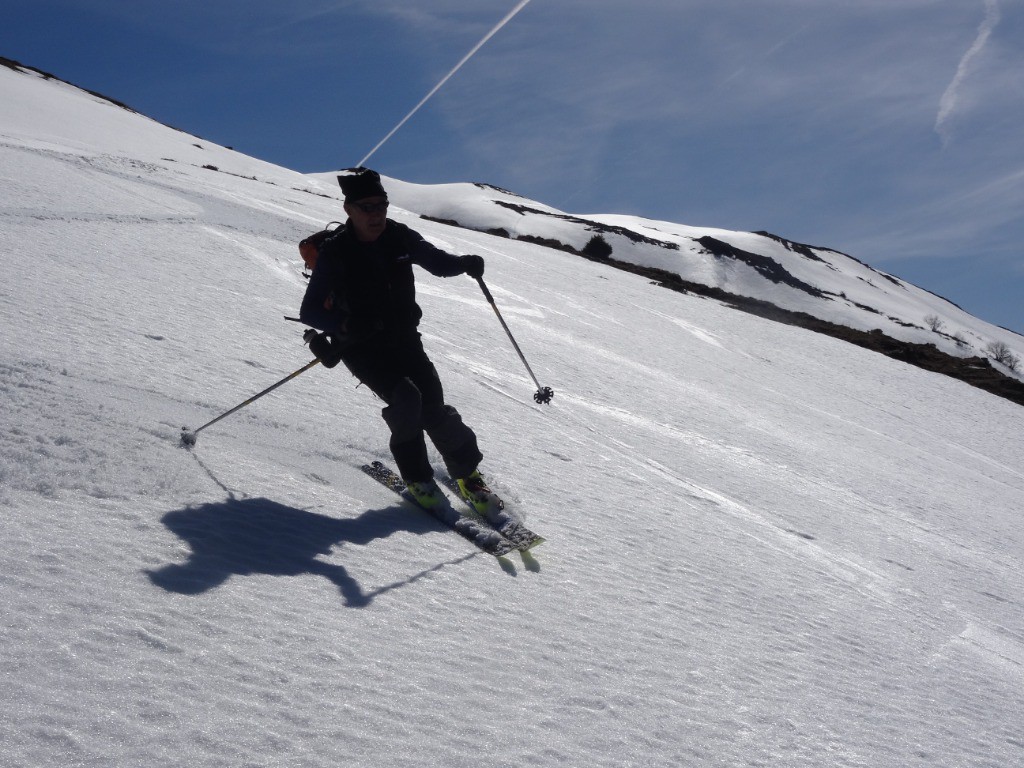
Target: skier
pixel 362 295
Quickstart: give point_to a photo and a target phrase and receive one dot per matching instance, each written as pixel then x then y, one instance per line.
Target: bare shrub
pixel 1001 353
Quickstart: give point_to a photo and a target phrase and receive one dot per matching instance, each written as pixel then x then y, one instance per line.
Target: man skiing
pixel 362 295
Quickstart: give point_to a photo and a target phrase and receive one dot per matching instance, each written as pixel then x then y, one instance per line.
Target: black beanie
pixel 358 183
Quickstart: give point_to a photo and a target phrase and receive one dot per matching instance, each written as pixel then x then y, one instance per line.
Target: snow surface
pixel 765 546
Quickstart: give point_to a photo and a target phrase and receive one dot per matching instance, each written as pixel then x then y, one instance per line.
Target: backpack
pixel 309 247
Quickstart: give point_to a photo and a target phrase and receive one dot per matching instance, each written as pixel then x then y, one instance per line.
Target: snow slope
pixel 818 281
pixel 765 547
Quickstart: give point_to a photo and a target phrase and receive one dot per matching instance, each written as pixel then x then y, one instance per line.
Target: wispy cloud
pixel 951 98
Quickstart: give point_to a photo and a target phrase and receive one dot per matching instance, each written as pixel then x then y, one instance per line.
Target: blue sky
pixel 892 130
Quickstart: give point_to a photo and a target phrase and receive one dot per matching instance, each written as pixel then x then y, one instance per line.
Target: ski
pixel 487 539
pixel 521 537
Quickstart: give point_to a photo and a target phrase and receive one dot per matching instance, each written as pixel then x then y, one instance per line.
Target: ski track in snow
pixel 764 547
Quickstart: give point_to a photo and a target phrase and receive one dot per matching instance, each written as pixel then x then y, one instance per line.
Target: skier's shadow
pixel 240 537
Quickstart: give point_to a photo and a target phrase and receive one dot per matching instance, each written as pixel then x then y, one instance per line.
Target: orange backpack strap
pixel 309 247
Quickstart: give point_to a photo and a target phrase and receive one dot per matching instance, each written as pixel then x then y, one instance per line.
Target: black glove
pixel 321 345
pixel 473 266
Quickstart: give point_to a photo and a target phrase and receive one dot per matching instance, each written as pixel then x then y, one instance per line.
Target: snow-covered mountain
pixel 765 546
pixel 797 278
pixel 815 288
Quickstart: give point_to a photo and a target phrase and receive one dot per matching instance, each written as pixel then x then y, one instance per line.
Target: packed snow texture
pixel 764 546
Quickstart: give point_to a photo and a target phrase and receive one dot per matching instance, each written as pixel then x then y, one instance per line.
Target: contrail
pixel 948 102
pixel 447 77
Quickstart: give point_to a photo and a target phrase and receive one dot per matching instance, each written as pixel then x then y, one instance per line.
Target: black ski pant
pixel 399 372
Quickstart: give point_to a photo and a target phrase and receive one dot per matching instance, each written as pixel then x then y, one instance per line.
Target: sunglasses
pixel 371 207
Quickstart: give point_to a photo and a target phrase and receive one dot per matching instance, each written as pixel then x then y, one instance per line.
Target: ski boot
pixel 485 501
pixel 427 494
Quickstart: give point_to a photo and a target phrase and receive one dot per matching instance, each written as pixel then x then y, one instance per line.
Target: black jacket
pixel 359 290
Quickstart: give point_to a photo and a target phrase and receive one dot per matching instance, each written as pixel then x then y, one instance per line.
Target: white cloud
pixel 951 99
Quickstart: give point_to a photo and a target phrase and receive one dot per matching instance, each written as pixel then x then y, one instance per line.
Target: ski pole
pixel 188 437
pixel 543 394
